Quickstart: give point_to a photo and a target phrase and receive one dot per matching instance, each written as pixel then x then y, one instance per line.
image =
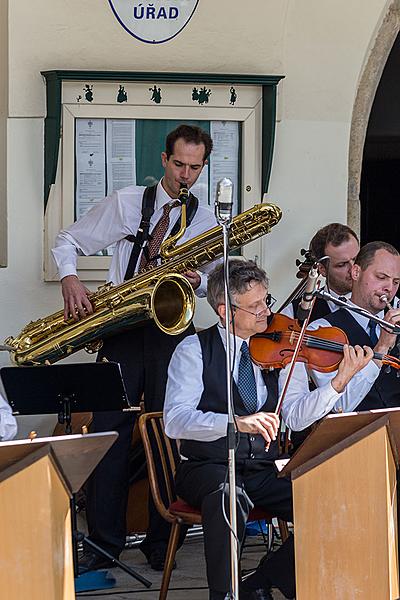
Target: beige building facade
pixel 331 55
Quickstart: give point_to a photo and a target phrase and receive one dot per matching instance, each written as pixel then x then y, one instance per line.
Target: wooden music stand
pixel 345 507
pixel 37 480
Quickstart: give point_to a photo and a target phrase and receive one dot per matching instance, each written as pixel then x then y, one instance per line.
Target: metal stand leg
pixel 81 537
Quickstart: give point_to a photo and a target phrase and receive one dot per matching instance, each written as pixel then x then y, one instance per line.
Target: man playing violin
pixel 375 276
pixel 195 412
pixel 339 244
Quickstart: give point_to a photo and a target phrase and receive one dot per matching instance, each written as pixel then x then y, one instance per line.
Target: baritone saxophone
pixel 161 293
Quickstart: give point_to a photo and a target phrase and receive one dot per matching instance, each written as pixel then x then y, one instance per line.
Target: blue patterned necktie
pixel 372 332
pixel 246 381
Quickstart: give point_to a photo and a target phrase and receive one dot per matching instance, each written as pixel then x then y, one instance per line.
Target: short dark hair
pixel 367 253
pixel 192 135
pixel 333 233
pixel 241 274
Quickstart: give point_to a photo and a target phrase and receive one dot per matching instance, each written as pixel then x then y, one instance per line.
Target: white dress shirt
pixel 114 218
pixel 299 412
pixel 8 424
pixel 289 312
pixel 183 419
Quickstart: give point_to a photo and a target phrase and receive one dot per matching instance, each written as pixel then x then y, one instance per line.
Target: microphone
pixel 224 201
pixel 308 294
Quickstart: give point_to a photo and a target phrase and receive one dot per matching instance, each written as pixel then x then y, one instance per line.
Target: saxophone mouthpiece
pixel 183 193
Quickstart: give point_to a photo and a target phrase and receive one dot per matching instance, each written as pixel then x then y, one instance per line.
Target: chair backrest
pixel 162 459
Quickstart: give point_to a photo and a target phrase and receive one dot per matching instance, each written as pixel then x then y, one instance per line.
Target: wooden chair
pixel 160 449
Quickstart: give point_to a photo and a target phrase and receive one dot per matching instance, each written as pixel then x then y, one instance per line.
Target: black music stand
pixel 63 390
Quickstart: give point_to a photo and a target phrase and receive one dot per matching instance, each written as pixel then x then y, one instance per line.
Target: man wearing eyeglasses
pixel 195 412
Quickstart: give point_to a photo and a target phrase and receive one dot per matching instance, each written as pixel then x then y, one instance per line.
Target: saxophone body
pixel 160 293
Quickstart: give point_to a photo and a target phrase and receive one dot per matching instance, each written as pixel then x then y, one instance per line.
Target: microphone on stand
pixel 224 201
pixel 308 294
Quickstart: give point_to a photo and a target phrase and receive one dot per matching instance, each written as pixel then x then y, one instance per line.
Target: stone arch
pixel 369 81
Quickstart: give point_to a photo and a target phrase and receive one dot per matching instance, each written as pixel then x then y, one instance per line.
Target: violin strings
pixel 321 344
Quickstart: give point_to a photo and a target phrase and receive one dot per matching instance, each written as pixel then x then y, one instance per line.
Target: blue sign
pixel 153 22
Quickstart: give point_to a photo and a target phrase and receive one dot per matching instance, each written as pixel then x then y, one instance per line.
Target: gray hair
pixel 241 274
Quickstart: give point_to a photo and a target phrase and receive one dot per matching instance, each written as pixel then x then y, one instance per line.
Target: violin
pixel 321 349
pixel 304 267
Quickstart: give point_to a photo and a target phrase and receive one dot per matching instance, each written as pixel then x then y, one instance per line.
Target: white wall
pixel 319 46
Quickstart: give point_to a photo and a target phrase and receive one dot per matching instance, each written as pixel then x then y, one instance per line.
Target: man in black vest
pixel 195 412
pixel 133 219
pixel 376 277
pixel 339 244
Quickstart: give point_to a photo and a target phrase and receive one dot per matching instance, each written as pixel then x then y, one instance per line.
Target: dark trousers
pixel 201 484
pixel 144 354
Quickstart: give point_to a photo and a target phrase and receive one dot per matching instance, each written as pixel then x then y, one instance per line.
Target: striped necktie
pixel 150 256
pixel 246 380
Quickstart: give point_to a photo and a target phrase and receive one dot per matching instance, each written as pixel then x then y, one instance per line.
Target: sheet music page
pixel 90 164
pixel 121 158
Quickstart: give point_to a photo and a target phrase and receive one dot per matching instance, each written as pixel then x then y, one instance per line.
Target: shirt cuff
pixel 331 393
pixel 220 425
pixel 66 270
pixel 371 371
pixel 201 291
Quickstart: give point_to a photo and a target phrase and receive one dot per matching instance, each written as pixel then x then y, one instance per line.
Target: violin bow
pixel 294 357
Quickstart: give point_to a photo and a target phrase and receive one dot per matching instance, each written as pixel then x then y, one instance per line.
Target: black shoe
pixel 90 561
pixel 260 594
pixel 156 559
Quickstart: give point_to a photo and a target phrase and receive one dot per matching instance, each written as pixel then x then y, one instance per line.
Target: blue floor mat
pixel 94 580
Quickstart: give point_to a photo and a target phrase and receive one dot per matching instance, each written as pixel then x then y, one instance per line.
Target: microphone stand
pixel 224 219
pixel 357 309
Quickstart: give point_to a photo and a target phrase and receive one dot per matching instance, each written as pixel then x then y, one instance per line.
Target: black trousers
pixel 201 484
pixel 144 354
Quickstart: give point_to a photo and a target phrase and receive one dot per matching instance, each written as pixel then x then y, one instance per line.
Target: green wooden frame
pixel 52 125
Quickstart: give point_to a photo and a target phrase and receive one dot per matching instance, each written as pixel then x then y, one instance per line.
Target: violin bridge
pixel 292 339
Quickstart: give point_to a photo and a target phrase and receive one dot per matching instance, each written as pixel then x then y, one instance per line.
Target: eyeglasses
pixel 269 301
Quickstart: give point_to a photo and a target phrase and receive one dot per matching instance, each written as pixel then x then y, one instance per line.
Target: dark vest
pixel 319 311
pixel 385 392
pixel 251 447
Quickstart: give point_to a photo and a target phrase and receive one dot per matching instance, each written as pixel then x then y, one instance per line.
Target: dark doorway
pixel 380 178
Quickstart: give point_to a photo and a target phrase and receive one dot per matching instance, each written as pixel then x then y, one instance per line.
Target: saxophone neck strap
pixel 140 239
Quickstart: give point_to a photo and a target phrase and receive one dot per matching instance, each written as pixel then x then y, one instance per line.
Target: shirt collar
pixel 336 295
pixel 234 339
pixel 361 319
pixel 162 197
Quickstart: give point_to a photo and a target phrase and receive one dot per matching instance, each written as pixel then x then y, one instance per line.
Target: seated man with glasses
pixel 195 412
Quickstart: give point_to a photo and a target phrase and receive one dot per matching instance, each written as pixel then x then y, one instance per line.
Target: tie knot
pixel 169 206
pixel 244 349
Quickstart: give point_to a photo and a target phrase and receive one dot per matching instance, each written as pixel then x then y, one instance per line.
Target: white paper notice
pixel 224 158
pixel 200 188
pixel 90 164
pixel 121 160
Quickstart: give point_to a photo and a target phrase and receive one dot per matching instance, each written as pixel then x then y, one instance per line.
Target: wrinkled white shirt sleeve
pixel 182 418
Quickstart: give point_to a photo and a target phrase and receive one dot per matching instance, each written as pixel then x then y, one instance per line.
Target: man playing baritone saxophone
pixel 195 412
pixel 144 352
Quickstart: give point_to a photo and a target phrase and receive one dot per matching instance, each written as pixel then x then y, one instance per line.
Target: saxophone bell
pixel 161 294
